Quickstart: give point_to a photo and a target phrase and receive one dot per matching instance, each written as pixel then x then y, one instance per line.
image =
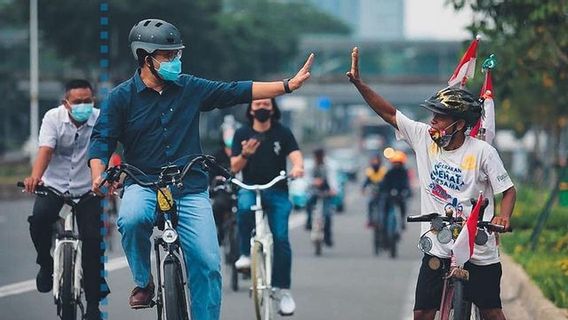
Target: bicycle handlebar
pixel 113 174
pixel 42 190
pixel 254 187
pixel 480 224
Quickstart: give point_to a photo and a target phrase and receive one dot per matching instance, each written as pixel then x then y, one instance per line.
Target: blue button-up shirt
pixel 158 129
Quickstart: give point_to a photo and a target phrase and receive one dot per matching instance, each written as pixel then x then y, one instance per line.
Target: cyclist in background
pixel 324 188
pixel 395 184
pixel 374 175
pixel 452 168
pixel 222 201
pixel 260 151
pixel 61 163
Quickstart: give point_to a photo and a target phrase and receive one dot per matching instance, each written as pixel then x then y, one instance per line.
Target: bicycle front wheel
pixel 233 256
pixel 458 302
pixel 260 290
pixel 68 303
pixel 174 296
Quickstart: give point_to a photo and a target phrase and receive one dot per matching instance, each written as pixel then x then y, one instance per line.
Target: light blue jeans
pixel 198 236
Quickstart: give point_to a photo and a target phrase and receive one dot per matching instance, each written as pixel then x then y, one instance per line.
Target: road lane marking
pixel 296 220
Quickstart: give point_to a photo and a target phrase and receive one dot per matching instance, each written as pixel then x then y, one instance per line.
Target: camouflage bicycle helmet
pixel 455 102
pixel 154 34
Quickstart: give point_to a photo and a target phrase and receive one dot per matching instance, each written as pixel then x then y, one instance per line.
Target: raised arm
pixel 381 106
pixel 264 90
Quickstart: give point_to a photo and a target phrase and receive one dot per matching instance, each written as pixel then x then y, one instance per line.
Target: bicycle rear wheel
pixel 260 290
pixel 174 296
pixel 67 300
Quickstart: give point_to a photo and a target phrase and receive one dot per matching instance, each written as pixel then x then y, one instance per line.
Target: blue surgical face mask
pixel 82 111
pixel 169 70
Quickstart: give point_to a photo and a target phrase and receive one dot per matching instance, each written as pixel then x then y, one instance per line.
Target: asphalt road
pixel 346 282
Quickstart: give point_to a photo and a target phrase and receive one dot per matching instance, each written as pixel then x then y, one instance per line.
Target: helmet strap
pixel 153 70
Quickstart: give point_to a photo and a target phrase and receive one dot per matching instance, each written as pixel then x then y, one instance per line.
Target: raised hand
pixel 302 75
pixel 353 74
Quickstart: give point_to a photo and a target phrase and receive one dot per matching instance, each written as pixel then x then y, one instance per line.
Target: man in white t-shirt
pixel 452 169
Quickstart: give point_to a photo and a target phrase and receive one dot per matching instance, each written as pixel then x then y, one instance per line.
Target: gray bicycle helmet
pixel 154 34
pixel 455 102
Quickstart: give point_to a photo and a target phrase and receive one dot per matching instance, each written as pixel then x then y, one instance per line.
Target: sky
pixel 433 19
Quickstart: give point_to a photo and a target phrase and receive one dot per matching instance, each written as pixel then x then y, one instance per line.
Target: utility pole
pixel 34 66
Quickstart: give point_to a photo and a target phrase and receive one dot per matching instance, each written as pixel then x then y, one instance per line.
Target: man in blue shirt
pixel 155 115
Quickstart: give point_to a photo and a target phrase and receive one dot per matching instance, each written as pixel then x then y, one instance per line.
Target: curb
pixel 517 286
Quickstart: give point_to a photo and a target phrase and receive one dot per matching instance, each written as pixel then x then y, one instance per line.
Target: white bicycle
pixel 261 252
pixel 67 268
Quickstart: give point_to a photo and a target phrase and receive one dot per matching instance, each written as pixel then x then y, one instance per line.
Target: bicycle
pixel 172 299
pixel 318 224
pixel 261 252
pixel 67 268
pixel 447 228
pixel 228 231
pixel 387 223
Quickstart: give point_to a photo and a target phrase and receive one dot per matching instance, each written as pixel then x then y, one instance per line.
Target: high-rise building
pixel 369 19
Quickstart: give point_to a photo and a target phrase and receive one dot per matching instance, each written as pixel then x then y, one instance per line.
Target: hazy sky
pixel 432 19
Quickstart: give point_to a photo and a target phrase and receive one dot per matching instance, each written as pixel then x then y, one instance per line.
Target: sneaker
pixel 287 304
pixel 243 263
pixel 44 280
pixel 142 297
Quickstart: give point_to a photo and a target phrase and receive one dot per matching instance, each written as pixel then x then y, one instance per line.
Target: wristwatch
pixel 286 86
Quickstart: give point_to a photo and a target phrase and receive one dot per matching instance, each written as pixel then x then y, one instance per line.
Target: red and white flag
pixel 463 246
pixel 466 68
pixel 487 121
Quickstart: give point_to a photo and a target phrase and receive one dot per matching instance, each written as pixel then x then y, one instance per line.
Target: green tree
pixel 532 49
pixel 255 38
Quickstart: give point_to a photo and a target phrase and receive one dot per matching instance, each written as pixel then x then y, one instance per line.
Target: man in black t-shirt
pixel 260 151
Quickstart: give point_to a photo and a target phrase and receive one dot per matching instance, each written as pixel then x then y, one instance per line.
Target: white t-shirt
pixel 449 179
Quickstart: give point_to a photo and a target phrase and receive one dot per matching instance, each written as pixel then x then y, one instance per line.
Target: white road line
pixel 296 220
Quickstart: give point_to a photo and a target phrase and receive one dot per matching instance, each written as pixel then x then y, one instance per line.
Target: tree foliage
pixel 529 41
pixel 252 39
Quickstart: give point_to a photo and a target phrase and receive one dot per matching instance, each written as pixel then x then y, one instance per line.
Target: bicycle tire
pixel 67 296
pixel 260 290
pixel 174 297
pixel 392 227
pixel 233 256
pixel 458 302
pixel 318 246
pixel 376 240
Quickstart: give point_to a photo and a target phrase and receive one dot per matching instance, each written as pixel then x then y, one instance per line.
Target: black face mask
pixel 375 166
pixel 262 115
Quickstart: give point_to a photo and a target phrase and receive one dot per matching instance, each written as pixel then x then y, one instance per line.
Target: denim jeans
pixel 278 207
pixel 198 237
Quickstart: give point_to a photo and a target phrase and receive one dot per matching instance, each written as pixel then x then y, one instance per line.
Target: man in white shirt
pixel 61 163
pixel 452 168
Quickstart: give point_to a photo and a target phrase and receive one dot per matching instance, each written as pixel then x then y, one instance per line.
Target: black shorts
pixel 483 287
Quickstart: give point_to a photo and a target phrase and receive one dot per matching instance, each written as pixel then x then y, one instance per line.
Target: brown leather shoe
pixel 142 297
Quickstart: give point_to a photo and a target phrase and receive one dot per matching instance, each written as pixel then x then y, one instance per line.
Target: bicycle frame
pixel 263 235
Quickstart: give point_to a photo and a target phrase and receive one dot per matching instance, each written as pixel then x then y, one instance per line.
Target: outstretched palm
pixel 302 75
pixel 353 74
